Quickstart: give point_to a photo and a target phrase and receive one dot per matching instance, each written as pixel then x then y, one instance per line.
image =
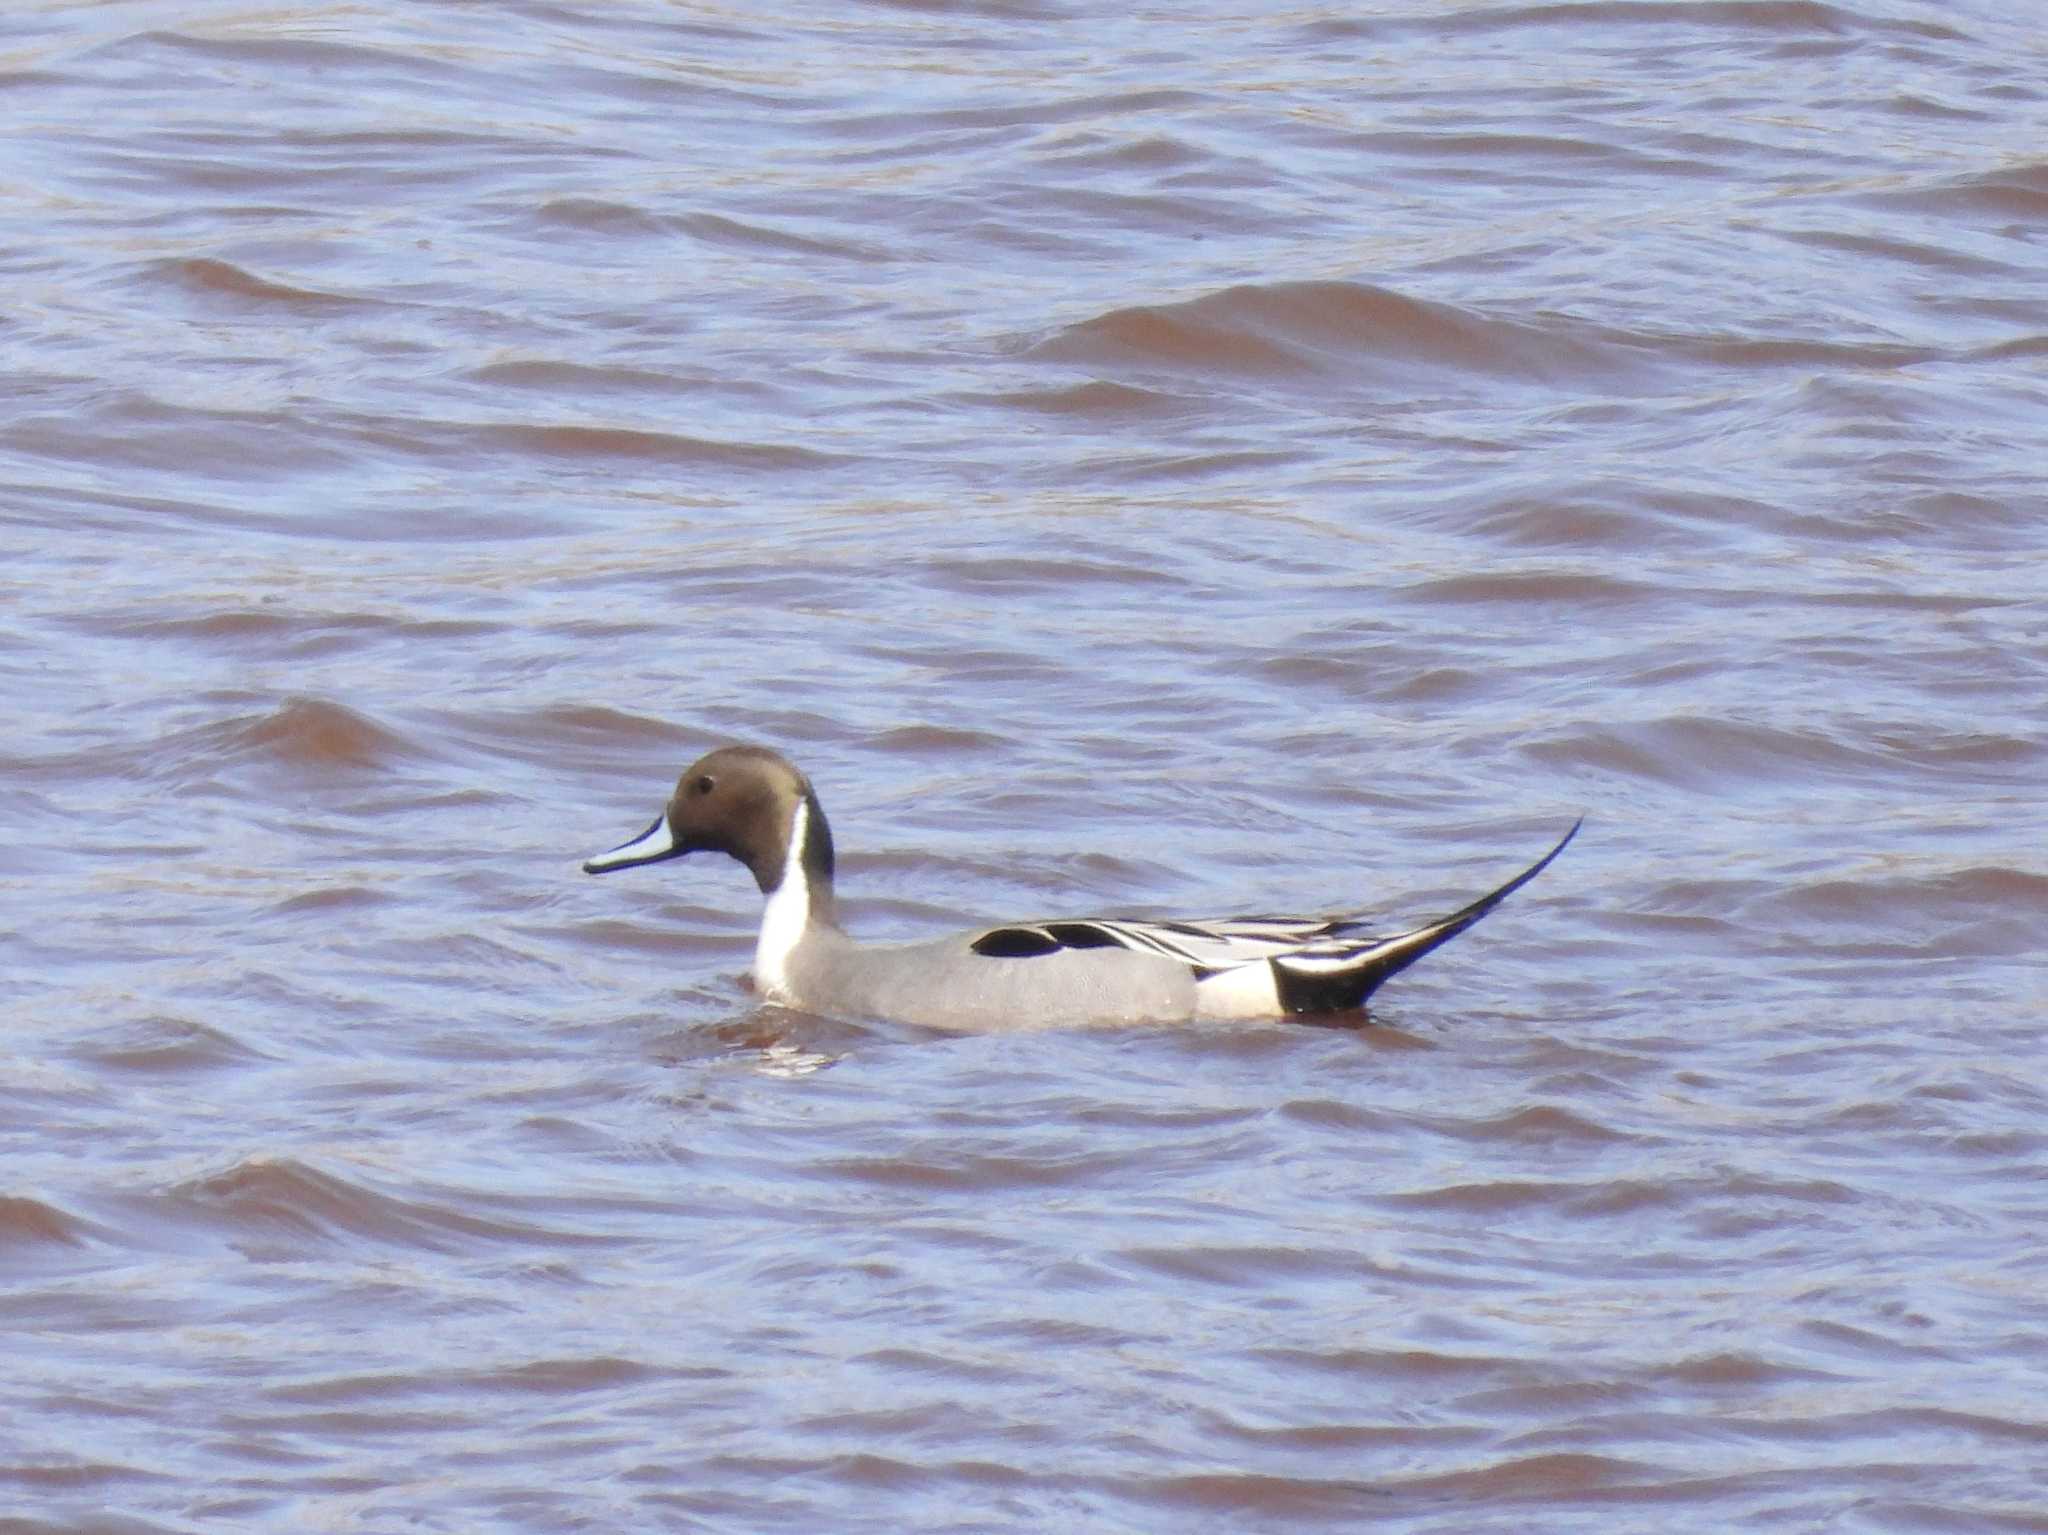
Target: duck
pixel 754 805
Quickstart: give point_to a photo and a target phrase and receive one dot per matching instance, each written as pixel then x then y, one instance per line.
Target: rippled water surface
pixel 1178 460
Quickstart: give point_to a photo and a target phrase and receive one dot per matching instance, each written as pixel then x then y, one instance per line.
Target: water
pixel 1136 461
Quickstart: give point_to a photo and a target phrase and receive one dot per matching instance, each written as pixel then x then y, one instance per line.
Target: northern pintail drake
pixel 752 804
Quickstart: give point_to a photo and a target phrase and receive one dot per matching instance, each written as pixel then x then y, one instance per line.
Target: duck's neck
pixel 800 900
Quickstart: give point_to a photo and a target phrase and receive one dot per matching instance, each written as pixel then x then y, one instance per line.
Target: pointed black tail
pixel 1339 985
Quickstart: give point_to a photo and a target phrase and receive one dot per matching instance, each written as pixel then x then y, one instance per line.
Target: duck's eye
pixel 703 785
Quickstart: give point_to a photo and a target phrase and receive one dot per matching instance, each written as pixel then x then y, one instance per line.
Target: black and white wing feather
pixel 1203 946
pixel 1317 964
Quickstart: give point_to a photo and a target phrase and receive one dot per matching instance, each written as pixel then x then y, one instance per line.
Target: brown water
pixel 1156 459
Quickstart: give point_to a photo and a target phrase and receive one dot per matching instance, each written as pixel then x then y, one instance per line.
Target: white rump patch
pixel 1242 991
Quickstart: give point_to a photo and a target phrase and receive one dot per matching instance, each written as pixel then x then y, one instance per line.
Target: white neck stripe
pixel 787 915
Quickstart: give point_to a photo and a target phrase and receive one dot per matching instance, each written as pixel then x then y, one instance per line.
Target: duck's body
pixel 753 804
pixel 942 983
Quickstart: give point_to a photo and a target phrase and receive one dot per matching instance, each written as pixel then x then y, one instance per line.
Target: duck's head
pixel 747 802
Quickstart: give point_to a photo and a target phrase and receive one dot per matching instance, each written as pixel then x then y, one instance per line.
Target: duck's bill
pixel 651 846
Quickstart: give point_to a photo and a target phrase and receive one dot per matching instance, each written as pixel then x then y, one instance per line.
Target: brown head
pixel 743 801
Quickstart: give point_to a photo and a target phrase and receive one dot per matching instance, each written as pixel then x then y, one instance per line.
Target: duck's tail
pixel 1341 980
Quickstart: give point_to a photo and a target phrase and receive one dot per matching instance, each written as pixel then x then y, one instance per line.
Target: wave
pixel 315 734
pixel 213 278
pixel 27 1224
pixel 1307 329
pixel 271 1197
